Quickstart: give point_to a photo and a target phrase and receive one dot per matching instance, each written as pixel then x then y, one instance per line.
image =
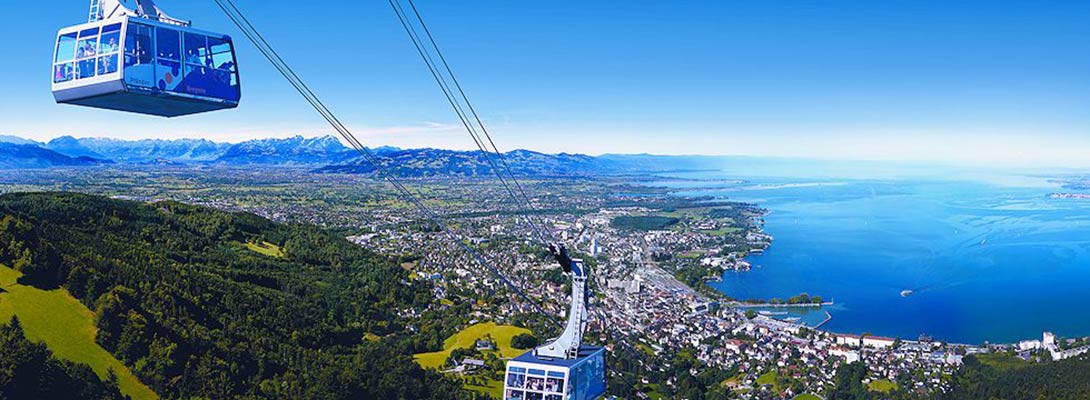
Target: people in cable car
pixel 62 73
pixel 110 46
pixel 535 383
pixel 147 68
pixel 193 58
pixel 516 380
pixel 554 385
pixel 87 50
pixel 107 65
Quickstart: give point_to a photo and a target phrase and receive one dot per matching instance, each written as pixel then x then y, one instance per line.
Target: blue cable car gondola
pixel 141 60
pixel 564 368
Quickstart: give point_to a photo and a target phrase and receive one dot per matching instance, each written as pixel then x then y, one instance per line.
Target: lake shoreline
pixel 789 217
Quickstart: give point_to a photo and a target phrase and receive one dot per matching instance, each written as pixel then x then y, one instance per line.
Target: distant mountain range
pixel 438 162
pixel 143 151
pixel 21 156
pixel 15 140
pixel 292 151
pixel 325 155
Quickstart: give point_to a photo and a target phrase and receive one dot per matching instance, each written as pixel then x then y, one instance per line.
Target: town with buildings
pixel 650 254
pixel 638 297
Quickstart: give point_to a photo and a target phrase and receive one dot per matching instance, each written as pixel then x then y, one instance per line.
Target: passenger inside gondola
pixel 151 64
pixel 62 73
pixel 110 46
pixel 107 64
pixel 86 50
pixel 193 58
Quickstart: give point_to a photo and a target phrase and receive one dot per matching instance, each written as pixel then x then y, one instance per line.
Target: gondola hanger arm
pixel 106 9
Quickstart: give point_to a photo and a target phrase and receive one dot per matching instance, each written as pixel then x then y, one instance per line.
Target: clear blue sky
pixel 989 81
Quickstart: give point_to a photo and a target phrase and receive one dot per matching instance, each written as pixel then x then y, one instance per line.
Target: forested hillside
pixel 1018 380
pixel 180 298
pixel 991 376
pixel 29 371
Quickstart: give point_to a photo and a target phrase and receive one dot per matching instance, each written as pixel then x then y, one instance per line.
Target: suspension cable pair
pixel 467 114
pixel 239 19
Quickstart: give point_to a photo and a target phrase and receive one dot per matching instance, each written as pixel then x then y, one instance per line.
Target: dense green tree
pixel 524 341
pixel 180 299
pixel 1013 379
pixel 29 371
pixel 848 383
pixel 642 222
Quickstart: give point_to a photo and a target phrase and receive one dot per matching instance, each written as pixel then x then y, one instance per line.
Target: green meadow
pixel 467 337
pixel 266 248
pixel 66 326
pixel 502 334
pixel 881 386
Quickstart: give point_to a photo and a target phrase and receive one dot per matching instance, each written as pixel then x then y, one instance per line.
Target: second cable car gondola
pixel 141 60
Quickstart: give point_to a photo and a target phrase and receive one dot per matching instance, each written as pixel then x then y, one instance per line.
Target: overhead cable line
pixel 441 80
pixel 425 49
pixel 239 19
pixel 472 110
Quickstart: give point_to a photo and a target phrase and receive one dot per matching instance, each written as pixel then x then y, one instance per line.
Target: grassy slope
pixel 494 389
pixel 722 231
pixel 502 334
pixel 67 328
pixel 768 378
pixel 1001 361
pixel 267 249
pixel 881 386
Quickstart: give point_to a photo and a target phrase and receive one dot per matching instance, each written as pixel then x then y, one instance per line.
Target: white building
pixel 1026 345
pixel 849 356
pixel 712 261
pixel 1062 355
pixel 1049 339
pixel 849 340
pixel 878 342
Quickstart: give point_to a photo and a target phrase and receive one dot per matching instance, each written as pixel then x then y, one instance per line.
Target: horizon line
pixel 1000 165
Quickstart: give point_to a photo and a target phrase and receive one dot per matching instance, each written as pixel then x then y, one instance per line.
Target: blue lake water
pixel 988 257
